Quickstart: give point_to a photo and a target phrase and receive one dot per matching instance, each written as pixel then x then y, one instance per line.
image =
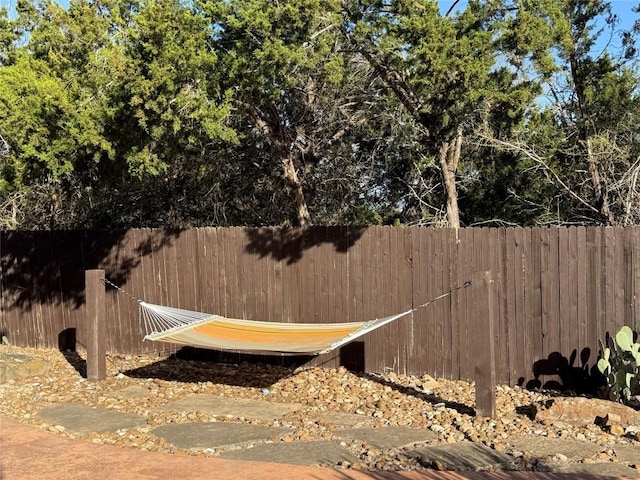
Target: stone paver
pixel 464 456
pixel 215 435
pixel 542 447
pixel 232 407
pixel 608 469
pixel 584 411
pixel 85 420
pixel 387 437
pixel 322 452
pixel 628 453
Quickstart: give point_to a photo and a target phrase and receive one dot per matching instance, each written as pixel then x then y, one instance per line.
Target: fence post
pixel 485 371
pixel 97 325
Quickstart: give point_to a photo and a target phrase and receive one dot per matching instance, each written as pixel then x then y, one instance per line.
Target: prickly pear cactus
pixel 620 363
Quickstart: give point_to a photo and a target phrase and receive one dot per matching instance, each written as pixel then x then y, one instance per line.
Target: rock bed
pixel 442 406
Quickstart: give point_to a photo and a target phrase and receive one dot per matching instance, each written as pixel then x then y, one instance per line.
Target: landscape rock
pixel 389 437
pixel 16 367
pixel 585 411
pixel 232 407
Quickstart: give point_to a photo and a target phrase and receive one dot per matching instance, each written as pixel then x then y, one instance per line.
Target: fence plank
pixel 636 276
pixel 405 297
pixel 496 237
pixel 391 284
pixel 581 280
pixel 208 288
pixel 276 278
pixel 235 281
pixel 549 283
pixel 465 244
pixel 509 300
pixel 627 266
pixel 437 288
pixel 249 276
pixel 619 278
pixel 609 272
pixel 574 326
pixel 454 301
pixel 533 305
pixel 566 291
pixel 594 290
pixel 446 287
pixel 418 351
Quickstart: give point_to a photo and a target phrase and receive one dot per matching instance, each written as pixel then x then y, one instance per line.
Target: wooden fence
pixel 558 289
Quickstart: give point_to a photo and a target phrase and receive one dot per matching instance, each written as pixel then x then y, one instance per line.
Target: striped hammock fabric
pixel 173 325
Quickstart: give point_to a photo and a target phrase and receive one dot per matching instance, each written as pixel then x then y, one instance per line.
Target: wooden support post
pixel 485 371
pixel 97 325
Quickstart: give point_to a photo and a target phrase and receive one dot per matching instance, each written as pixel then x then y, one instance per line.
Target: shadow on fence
pixel 567 377
pixel 48 267
pixel 290 244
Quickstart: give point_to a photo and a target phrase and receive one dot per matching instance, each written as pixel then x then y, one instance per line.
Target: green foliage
pixel 589 96
pixel 102 95
pixel 362 216
pixel 179 113
pixel 620 363
pixel 35 120
pixel 270 47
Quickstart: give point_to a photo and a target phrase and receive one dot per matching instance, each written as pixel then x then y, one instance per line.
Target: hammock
pixel 185 327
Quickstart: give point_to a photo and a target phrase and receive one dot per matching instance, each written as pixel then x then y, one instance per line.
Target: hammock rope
pixel 187 327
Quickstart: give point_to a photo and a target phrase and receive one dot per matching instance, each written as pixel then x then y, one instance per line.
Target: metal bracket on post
pixel 485 371
pixel 97 325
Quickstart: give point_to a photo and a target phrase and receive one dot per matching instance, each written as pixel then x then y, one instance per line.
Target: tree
pixel 442 69
pixel 277 57
pixel 125 92
pixel 591 102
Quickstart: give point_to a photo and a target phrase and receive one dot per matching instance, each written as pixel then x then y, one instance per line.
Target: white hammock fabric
pixel 185 327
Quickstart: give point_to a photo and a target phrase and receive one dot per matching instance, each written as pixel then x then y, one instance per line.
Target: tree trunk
pixel 449 158
pixel 272 128
pixel 291 175
pixel 602 198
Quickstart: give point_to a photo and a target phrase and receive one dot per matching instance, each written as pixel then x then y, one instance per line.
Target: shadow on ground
pixel 425 397
pixel 67 343
pixel 233 369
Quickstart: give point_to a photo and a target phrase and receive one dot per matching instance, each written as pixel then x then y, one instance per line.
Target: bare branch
pixel 526 150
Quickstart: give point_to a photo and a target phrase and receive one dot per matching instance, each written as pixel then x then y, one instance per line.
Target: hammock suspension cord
pixel 175 325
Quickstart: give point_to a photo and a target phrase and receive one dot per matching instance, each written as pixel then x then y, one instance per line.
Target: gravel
pixel 443 406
